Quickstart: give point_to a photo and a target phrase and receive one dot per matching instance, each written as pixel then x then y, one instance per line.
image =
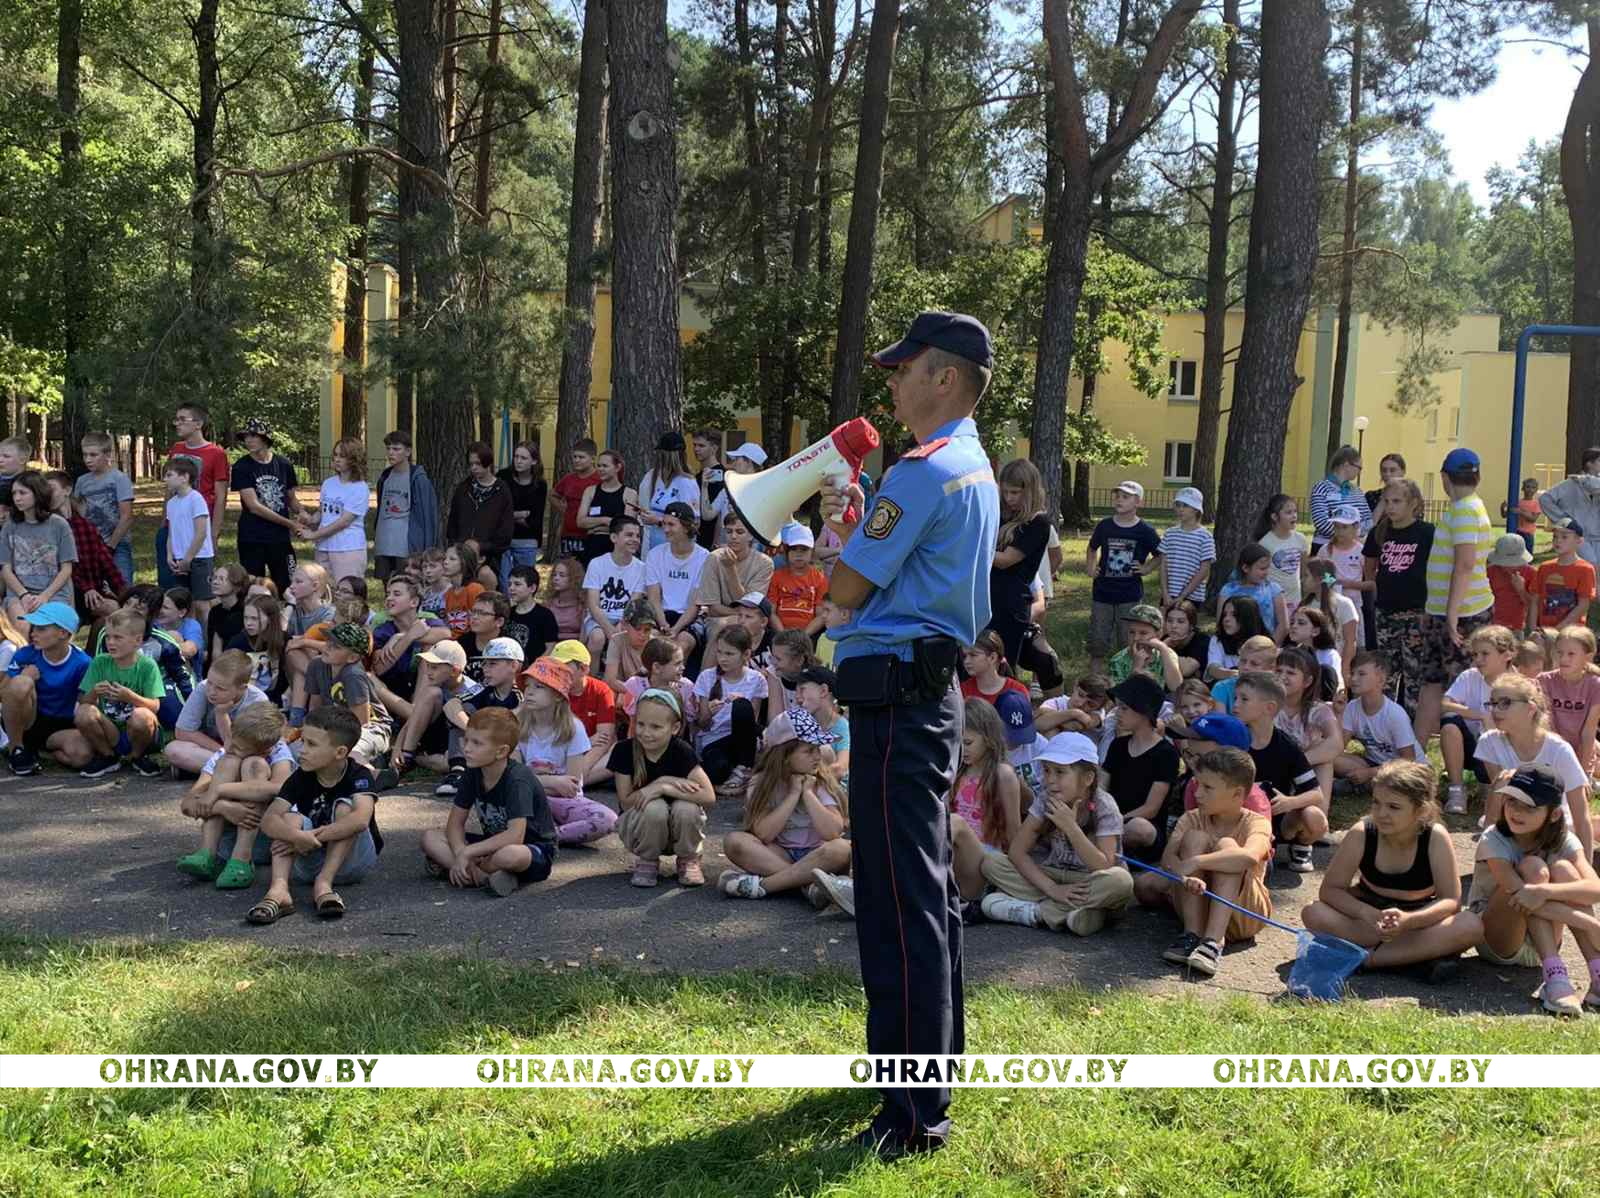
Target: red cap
pixel 855 439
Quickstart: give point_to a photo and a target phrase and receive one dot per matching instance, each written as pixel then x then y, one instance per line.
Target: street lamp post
pixel 1361 431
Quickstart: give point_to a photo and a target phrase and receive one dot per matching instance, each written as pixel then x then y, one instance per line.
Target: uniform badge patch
pixel 886 514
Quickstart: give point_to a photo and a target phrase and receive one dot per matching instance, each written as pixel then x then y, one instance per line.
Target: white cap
pixel 1068 748
pixel 798 534
pixel 503 648
pixel 754 599
pixel 446 653
pixel 1132 488
pixel 750 451
pixel 1191 497
pixel 1346 514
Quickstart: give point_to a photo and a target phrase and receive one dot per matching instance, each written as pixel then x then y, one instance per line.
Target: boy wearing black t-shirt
pixel 518 841
pixel 530 623
pixel 1299 808
pixel 322 824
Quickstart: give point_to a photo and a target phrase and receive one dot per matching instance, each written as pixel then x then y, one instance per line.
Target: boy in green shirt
pixel 118 700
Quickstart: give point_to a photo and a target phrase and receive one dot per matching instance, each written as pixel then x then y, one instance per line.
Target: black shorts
pixel 435 737
pixel 1383 902
pixel 1469 745
pixel 44 727
pixel 273 560
pixel 544 858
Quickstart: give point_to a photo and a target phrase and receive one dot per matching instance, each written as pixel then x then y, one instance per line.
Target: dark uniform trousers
pixel 908 910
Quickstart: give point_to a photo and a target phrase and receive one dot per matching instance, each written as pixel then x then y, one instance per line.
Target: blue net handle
pixel 1217 898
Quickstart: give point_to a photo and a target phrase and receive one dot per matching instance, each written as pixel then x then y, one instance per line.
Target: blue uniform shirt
pixel 925 545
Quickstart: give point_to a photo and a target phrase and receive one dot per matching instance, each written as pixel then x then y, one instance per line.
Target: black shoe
pixel 147 767
pixel 22 761
pixel 99 767
pixel 385 779
pixel 1178 951
pixel 972 913
pixel 450 784
pixel 889 1148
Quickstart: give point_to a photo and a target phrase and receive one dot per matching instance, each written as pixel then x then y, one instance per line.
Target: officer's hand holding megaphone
pixel 837 501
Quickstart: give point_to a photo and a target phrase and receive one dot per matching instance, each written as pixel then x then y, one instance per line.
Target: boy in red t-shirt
pixel 569 491
pixel 1511 580
pixel 797 590
pixel 1563 588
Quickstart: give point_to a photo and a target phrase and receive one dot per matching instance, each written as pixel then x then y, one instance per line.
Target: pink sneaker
pixel 645 873
pixel 1557 995
pixel 690 873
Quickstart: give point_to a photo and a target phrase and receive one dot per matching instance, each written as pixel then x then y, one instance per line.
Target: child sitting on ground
pixel 985 802
pixel 1572 691
pixel 323 823
pixel 262 638
pixel 1522 737
pixel 1193 700
pixel 530 623
pixel 203 724
pixel 39 696
pixel 433 582
pixel 517 843
pixel 1306 718
pixel 339 677
pixel 664 795
pixel 1223 849
pixel 425 737
pixel 1145 652
pixel 1061 869
pixel 118 699
pixel 1466 709
pixel 1531 882
pixel 1393 886
pixel 226 617
pixel 1299 808
pixel 728 693
pixel 1258 655
pixel 461 587
pixel 1238 621
pixel 173 617
pixel 815 694
pixel 1084 710
pixel 1309 631
pixel 663 670
pixel 1252 580
pixel 312 595
pixel 556 747
pixel 625 651
pixel 231 795
pixel 1141 767
pixel 1532 659
pixel 1376 720
pixel 791 655
pixel 794 820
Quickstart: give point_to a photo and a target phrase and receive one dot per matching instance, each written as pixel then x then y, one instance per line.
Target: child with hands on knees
pixel 1222 848
pixel 323 823
pixel 794 820
pixel 231 795
pixel 1061 869
pixel 985 802
pixel 1465 707
pixel 517 843
pixel 204 722
pixel 664 795
pixel 1393 886
pixel 556 747
pixel 1531 883
pixel 1521 737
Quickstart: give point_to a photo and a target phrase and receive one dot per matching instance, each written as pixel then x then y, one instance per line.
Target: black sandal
pixel 330 905
pixel 268 911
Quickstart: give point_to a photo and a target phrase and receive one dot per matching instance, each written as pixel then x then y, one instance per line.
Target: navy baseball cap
pixel 1459 461
pixel 1534 785
pixel 1567 524
pixel 1225 730
pixel 1016 714
pixel 954 332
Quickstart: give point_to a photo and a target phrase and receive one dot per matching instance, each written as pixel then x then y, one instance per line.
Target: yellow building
pixel 1474 407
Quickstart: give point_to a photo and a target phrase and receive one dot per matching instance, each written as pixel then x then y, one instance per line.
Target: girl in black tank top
pixel 1418 918
pixel 609 504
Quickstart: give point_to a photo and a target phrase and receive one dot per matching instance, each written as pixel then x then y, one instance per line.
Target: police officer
pixel 914 575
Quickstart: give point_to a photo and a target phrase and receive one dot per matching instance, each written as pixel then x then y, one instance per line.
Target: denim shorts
pixel 362 860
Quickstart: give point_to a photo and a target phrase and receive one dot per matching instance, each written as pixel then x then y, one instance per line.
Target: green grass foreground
pixel 221 997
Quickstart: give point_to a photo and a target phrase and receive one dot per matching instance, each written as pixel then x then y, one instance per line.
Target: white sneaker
pixel 1002 908
pixel 734 787
pixel 737 884
pixel 1558 996
pixel 1455 802
pixel 841 890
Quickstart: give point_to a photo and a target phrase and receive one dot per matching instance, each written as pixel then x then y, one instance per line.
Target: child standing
pixel 1563 589
pixel 1396 553
pixel 189 534
pixel 118 699
pixel 1061 869
pixel 795 817
pixel 234 787
pixel 107 497
pixel 798 589
pixel 325 817
pixel 1511 579
pixel 1252 580
pixel 1286 548
pixel 96 581
pixel 408 508
pixel 1528 512
pixel 664 794
pixel 555 746
pixel 1532 882
pixel 567 496
pixel 1222 849
pixel 1187 552
pixel 1393 886
pixel 1117 561
pixel 340 536
pixel 1572 691
pixel 727 693
pixel 517 844
pixel 1376 720
pixel 37 549
pixel 1465 706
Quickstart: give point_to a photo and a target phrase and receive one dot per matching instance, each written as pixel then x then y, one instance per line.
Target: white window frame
pixel 1175 380
pixel 1169 455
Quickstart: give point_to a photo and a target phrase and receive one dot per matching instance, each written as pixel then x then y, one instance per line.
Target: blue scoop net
pixel 1322 963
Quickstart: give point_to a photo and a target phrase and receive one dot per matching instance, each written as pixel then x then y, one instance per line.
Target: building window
pixel 1178 461
pixel 1183 379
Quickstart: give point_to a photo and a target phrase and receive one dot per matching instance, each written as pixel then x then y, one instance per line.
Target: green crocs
pixel 201 864
pixel 236 875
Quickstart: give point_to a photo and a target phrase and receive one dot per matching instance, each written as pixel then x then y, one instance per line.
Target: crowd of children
pixel 681 674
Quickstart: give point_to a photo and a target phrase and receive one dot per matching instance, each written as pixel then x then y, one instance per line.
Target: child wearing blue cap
pixel 40 693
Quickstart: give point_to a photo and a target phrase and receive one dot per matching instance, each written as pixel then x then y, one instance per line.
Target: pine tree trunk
pixel 921 247
pixel 444 415
pixel 353 412
pixel 484 374
pixel 850 347
pixel 1065 270
pixel 405 266
pixel 583 248
pixel 1347 258
pixel 202 231
pixel 1580 179
pixel 757 184
pixel 825 203
pixel 75 278
pixel 1219 227
pixel 1283 259
pixel 646 384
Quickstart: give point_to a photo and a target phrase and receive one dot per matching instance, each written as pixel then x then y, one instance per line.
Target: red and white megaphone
pixel 767 501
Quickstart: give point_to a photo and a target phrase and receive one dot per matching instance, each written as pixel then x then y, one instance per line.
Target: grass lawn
pixel 219 997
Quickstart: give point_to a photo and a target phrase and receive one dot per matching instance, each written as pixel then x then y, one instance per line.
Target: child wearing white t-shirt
pixel 341 532
pixel 1377 721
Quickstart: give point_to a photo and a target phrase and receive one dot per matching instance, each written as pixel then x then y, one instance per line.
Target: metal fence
pixel 1161 499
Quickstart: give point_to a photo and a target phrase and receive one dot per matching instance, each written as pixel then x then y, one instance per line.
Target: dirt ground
pixel 94 860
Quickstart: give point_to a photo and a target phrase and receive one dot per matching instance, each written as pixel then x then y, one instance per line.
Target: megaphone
pixel 767 501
